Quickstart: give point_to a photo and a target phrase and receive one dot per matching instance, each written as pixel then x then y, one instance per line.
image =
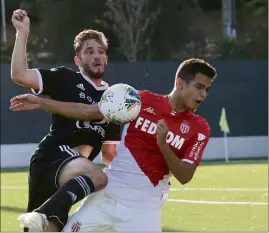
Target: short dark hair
pixel 89 34
pixel 189 68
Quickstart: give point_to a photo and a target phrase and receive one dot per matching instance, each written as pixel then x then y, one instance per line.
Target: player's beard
pixel 90 73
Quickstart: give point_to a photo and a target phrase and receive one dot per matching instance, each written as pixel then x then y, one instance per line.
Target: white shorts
pixel 100 212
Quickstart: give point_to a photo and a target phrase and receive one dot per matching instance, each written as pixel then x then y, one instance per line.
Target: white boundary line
pixel 13 187
pixel 218 202
pixel 189 201
pixel 219 189
pixel 7 187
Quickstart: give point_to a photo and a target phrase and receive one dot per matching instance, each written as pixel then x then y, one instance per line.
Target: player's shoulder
pixel 67 70
pixel 150 94
pixel 63 70
pixel 200 123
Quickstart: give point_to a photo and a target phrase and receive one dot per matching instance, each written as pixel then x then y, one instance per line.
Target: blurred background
pixel 144 30
pixel 147 41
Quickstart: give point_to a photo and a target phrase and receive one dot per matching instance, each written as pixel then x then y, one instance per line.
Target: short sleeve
pixel 194 151
pixel 143 93
pixel 50 80
pixel 113 134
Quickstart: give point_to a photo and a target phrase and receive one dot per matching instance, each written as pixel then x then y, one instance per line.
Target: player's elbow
pixel 184 179
pixel 17 77
pixel 185 173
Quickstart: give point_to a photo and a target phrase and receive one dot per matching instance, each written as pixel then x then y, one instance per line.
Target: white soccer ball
pixel 120 103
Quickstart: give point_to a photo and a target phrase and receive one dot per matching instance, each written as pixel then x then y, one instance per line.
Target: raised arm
pixel 19 68
pixel 76 111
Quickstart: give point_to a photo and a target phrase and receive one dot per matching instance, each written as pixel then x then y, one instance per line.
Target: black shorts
pixel 44 169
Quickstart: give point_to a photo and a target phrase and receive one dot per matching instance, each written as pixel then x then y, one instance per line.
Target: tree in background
pixel 132 23
pixel 6 49
pixel 252 41
pixel 62 20
pixel 139 29
pixel 173 27
pixel 257 36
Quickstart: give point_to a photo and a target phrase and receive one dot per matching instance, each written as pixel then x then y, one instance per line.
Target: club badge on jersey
pixel 185 127
pixel 76 226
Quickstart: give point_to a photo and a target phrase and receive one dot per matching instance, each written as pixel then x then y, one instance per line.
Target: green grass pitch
pixel 221 197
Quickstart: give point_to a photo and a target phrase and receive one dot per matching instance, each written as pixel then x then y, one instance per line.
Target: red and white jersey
pixel 138 175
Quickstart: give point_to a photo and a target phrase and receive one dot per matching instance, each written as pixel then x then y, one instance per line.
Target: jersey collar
pixel 103 86
pixel 173 113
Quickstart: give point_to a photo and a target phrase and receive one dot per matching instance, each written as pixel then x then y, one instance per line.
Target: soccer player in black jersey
pixel 61 172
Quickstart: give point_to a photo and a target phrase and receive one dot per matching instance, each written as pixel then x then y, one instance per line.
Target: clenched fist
pixel 21 21
pixel 162 131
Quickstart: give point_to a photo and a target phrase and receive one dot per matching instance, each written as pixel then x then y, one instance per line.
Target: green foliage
pixel 173 26
pixel 231 49
pixel 253 43
pixel 258 8
pixel 132 22
pixel 31 6
pixel 173 31
pixel 255 46
pixel 11 5
pixel 62 20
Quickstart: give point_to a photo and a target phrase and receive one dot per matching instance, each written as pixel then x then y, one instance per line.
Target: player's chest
pixel 81 93
pixel 179 128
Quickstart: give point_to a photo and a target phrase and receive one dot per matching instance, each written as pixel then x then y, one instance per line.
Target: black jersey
pixel 66 85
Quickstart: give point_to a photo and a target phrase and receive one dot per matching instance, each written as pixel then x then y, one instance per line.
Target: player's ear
pixel 106 60
pixel 179 83
pixel 77 60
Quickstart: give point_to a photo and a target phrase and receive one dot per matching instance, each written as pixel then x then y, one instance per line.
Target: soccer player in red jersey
pixel 166 139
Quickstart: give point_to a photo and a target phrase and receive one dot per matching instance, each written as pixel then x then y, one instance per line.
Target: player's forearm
pixel 19 64
pixel 76 111
pixel 179 169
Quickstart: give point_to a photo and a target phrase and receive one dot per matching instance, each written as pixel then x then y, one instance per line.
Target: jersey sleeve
pixel 50 80
pixel 113 134
pixel 194 151
pixel 143 93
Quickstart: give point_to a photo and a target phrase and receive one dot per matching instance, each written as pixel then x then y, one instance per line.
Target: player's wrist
pixel 100 110
pixel 22 32
pixel 162 145
pixel 41 102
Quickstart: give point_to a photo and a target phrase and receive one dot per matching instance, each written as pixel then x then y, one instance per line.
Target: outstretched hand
pixel 25 102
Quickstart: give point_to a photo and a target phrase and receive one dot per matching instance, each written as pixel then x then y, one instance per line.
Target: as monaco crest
pixel 75 227
pixel 185 127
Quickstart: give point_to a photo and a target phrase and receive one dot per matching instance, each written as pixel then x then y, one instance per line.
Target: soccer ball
pixel 120 103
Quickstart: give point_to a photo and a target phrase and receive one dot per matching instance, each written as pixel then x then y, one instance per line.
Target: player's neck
pixel 175 103
pixel 97 81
